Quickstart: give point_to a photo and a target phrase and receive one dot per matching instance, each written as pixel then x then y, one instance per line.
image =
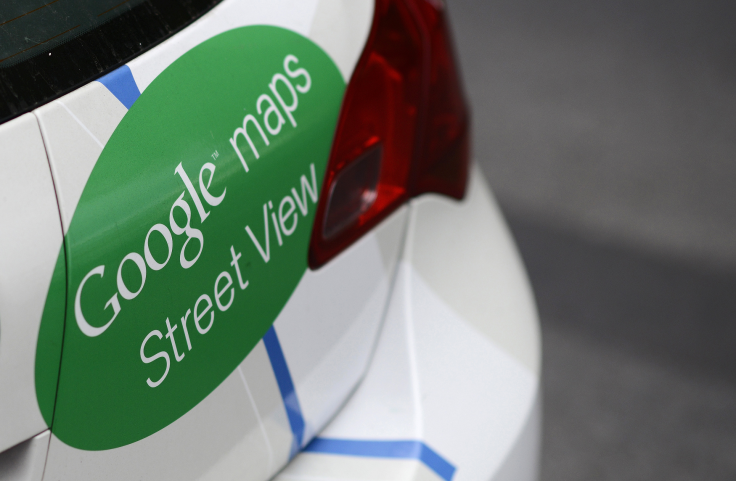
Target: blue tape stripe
pixel 385 449
pixel 286 386
pixel 437 463
pixel 121 84
pixel 351 447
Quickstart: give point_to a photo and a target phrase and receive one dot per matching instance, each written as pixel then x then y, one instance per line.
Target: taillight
pixel 403 127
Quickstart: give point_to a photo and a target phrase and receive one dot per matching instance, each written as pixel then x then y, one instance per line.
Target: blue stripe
pixel 286 386
pixel 121 84
pixel 385 449
pixel 350 447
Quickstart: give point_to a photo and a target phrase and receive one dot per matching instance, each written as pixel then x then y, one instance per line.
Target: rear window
pixel 50 47
pixel 29 26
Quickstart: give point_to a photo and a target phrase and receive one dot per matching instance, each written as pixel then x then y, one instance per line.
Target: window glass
pixel 51 47
pixel 27 27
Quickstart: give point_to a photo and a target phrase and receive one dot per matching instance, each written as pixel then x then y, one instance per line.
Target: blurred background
pixel 608 133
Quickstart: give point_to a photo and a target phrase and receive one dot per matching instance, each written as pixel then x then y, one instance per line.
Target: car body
pixel 257 247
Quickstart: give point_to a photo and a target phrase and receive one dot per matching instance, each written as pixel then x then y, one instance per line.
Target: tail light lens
pixel 403 127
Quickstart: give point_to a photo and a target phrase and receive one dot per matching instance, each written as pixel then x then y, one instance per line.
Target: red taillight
pixel 403 127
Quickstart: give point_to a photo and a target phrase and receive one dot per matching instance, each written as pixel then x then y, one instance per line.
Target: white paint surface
pixel 75 129
pixel 26 461
pixel 436 376
pixel 30 239
pixel 328 327
pixel 327 467
pixel 219 439
pixel 464 251
pixel 341 28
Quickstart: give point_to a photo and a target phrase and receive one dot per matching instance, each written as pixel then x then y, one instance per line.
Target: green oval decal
pixel 192 232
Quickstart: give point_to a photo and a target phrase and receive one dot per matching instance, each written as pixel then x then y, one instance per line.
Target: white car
pixel 245 240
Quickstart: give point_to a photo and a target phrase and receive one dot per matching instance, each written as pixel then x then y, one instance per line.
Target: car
pixel 246 240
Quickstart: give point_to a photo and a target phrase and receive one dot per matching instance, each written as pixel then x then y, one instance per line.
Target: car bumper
pixel 452 391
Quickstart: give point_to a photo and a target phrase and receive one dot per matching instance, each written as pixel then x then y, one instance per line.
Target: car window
pixel 50 47
pixel 30 25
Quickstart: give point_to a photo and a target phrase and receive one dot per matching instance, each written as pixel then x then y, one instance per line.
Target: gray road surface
pixel 639 364
pixel 608 132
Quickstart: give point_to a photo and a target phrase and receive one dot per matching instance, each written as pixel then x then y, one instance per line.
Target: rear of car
pixel 245 240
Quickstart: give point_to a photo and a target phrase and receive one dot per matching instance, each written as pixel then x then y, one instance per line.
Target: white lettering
pixel 199 315
pixel 234 263
pixel 159 355
pixel 186 331
pixel 164 231
pixel 84 326
pixel 284 216
pixel 122 288
pixel 221 291
pixel 298 72
pixel 271 110
pixel 244 132
pixel 267 253
pixel 191 232
pixel 275 225
pixel 294 99
pixel 170 335
pixel 303 206
pixel 211 199
pixel 195 197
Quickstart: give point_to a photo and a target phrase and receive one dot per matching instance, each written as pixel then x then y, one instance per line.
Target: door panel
pixel 30 241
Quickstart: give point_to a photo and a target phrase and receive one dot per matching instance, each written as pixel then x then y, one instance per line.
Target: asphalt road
pixel 608 132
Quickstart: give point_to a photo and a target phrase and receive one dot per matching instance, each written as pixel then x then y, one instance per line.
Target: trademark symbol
pixel 215 155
